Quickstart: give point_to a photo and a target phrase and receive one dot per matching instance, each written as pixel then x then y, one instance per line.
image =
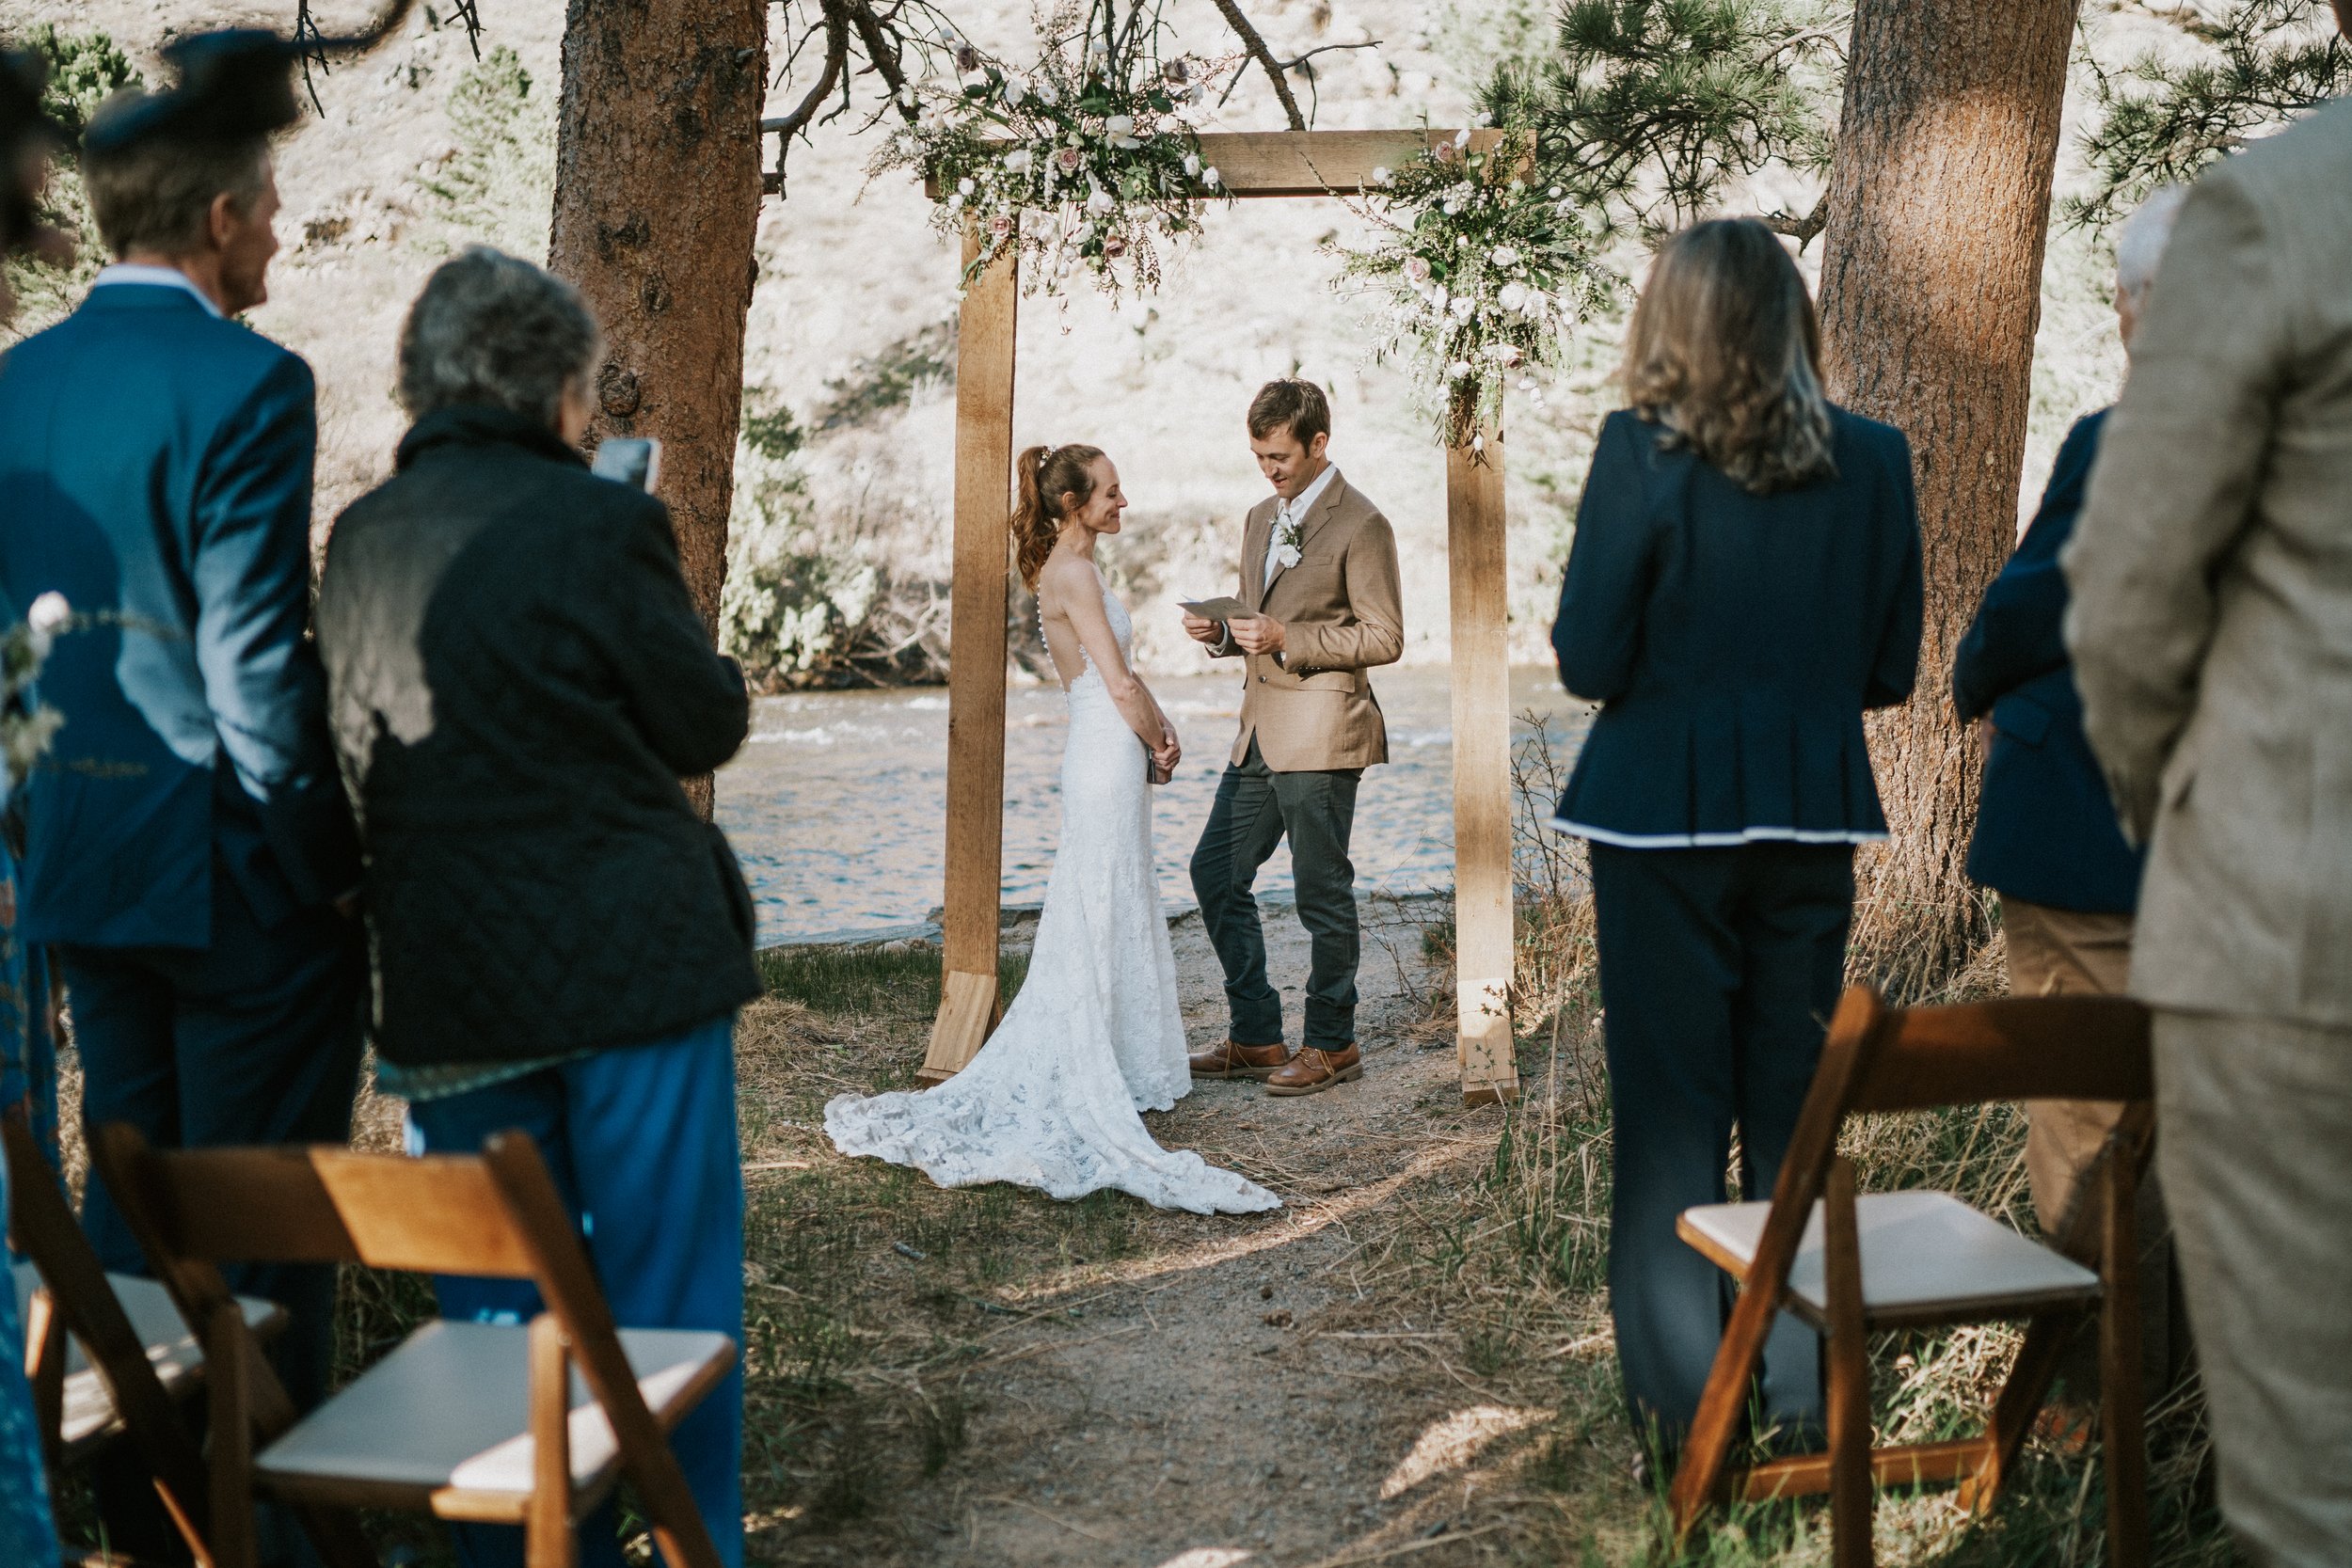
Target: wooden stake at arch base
pixel 1273 163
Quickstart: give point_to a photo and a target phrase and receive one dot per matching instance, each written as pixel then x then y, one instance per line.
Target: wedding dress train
pixel 1095 1036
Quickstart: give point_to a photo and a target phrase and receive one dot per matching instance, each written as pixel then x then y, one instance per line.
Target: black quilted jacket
pixel 517 680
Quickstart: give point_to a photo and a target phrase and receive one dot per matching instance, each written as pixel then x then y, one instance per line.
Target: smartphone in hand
pixel 632 460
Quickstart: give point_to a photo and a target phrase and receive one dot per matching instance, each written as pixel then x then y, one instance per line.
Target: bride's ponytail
pixel 1046 474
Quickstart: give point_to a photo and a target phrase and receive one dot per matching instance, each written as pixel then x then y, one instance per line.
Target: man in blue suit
pixel 190 856
pixel 2047 840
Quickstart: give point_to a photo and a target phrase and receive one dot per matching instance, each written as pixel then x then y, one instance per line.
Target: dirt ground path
pixel 1249 1394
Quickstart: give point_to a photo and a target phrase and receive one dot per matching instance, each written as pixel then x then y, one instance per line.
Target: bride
pixel 1094 1036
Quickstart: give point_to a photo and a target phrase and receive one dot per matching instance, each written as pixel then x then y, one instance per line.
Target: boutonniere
pixel 1286 542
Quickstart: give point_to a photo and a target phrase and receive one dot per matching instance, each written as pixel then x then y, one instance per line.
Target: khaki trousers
pixel 2255 1144
pixel 2055 952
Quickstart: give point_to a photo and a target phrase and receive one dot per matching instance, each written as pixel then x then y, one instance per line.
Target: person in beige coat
pixel 1319 577
pixel 2212 637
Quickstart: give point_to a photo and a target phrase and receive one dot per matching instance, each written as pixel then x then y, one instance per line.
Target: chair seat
pixel 1925 1258
pixel 89 1410
pixel 443 1421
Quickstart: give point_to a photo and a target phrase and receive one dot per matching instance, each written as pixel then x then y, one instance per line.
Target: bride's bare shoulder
pixel 1065 581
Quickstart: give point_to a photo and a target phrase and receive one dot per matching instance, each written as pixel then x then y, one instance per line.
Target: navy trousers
pixel 252 1040
pixel 1255 809
pixel 641 1144
pixel 1719 969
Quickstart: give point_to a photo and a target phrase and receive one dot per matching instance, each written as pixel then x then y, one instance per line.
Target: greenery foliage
pixel 2258 64
pixel 85 69
pixel 1646 109
pixel 498 187
pixel 1483 276
pixel 1085 160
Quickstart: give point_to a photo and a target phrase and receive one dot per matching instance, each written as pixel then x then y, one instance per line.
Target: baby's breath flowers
pixel 1085 161
pixel 1478 276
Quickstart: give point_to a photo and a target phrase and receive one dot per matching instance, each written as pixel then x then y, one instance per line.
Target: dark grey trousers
pixel 1256 808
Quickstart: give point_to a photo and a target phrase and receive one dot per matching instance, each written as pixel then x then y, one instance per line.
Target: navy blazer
pixel 1733 641
pixel 2046 830
pixel 156 469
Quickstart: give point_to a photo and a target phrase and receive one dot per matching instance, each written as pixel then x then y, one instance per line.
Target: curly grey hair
pixel 491 329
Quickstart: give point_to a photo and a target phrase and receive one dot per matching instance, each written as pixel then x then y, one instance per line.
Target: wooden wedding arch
pixel 1273 163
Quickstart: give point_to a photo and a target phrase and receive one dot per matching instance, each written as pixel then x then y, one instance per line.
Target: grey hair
pixel 157 196
pixel 491 329
pixel 2140 242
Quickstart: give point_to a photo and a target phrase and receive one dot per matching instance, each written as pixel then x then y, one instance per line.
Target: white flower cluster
pixel 1070 164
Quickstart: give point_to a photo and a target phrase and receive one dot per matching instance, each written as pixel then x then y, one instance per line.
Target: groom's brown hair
pixel 1299 404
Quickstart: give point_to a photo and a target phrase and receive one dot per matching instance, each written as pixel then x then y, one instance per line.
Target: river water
pixel 837 803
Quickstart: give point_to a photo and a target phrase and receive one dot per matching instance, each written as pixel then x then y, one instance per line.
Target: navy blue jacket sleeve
pixel 1609 566
pixel 250 568
pixel 2017 634
pixel 1895 666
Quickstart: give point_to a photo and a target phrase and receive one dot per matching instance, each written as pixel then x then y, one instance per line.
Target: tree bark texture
pixel 656 206
pixel 1939 205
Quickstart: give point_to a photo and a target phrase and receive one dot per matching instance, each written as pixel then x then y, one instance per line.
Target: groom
pixel 1318 571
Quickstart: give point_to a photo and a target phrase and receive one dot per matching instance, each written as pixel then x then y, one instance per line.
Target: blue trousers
pixel 1719 969
pixel 252 1040
pixel 641 1144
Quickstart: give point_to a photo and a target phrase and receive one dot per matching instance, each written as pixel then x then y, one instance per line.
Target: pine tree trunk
pixel 657 205
pixel 1931 293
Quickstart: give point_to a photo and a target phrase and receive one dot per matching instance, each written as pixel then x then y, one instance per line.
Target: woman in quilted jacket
pixel 519 679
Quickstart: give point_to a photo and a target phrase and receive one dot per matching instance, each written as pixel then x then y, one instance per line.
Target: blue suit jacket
pixel 1733 641
pixel 155 466
pixel 2045 826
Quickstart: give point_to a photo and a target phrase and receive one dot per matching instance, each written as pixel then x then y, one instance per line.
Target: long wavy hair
pixel 1047 474
pixel 1725 354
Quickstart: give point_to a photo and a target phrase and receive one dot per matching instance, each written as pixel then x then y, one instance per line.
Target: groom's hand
pixel 1201 629
pixel 1258 634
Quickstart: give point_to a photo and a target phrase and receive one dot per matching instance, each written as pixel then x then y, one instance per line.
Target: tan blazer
pixel 2211 581
pixel 1310 707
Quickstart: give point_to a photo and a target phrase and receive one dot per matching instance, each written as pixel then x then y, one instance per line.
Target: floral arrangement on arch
pixel 1085 161
pixel 1478 277
pixel 26 727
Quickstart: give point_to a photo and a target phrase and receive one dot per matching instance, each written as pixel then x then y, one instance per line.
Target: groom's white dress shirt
pixel 1290 511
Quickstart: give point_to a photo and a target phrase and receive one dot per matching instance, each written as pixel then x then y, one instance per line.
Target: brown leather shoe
pixel 1229 1060
pixel 1315 1069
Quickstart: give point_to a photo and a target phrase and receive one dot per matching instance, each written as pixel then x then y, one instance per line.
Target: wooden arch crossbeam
pixel 1272 163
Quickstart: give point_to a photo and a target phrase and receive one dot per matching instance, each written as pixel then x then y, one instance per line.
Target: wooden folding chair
pixel 1909 1260
pixel 479 1423
pixel 108 1354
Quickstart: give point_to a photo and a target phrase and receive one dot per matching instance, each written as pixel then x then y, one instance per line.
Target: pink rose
pixel 1114 246
pixel 1000 226
pixel 1446 152
pixel 1069 159
pixel 1417 268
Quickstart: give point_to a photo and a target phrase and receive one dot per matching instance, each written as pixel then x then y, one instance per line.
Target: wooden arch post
pixel 1272 163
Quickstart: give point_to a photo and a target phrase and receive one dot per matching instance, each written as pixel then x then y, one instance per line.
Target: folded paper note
pixel 1217 610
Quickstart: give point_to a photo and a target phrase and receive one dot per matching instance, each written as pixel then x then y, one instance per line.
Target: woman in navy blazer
pixel 1746 582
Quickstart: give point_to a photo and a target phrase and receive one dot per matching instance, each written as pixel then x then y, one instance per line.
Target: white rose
pixel 1099 201
pixel 964 186
pixel 1503 255
pixel 1018 161
pixel 1461 138
pixel 1208 177
pixel 1462 306
pixel 49 616
pixel 1458 370
pixel 1417 268
pixel 1081 235
pixel 1286 556
pixel 1381 177
pixel 1015 94
pixel 1192 163
pixel 1513 296
pixel 955 202
pixel 1121 125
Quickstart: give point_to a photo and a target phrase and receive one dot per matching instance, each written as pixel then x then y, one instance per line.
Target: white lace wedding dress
pixel 1095 1036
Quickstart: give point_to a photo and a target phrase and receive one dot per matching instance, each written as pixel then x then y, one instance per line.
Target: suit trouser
pixel 2055 952
pixel 2254 1138
pixel 1256 808
pixel 1719 969
pixel 252 1040
pixel 642 1143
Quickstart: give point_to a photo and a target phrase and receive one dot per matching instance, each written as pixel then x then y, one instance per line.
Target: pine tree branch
pixel 1255 43
pixel 1802 228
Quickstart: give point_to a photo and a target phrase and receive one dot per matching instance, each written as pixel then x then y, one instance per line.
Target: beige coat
pixel 2212 580
pixel 1311 707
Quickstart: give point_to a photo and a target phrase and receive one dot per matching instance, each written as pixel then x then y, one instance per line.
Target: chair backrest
pixel 2038 1048
pixel 45 1232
